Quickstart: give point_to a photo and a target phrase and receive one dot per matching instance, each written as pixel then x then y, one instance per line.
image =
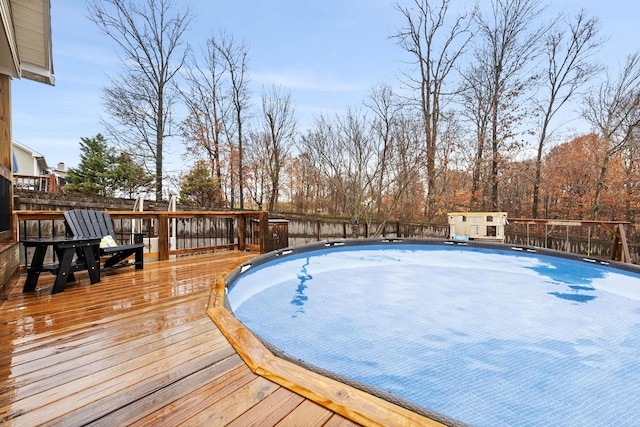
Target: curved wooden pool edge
pixel 350 402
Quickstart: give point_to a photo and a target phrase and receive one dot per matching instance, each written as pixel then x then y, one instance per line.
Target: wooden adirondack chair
pixel 92 224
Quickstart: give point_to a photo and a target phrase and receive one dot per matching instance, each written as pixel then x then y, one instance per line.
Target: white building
pixel 26 161
pixel 31 171
pixel 477 225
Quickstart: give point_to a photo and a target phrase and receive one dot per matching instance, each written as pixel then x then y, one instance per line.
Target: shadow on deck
pixel 135 349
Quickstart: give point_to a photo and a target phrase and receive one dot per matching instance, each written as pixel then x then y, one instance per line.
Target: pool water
pixel 483 336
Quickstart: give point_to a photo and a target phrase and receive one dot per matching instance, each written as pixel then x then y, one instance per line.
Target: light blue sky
pixel 328 54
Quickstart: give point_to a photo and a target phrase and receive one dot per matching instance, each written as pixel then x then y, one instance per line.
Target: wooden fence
pixel 303 229
pixel 166 234
pixel 589 242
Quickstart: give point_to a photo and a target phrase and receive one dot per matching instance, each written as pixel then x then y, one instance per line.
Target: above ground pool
pixel 487 335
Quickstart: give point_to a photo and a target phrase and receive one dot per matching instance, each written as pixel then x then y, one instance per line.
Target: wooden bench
pixel 94 224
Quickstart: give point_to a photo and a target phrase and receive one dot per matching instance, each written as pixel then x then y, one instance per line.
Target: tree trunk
pixel 475 181
pixel 600 186
pixel 538 178
pixel 495 153
pixel 159 144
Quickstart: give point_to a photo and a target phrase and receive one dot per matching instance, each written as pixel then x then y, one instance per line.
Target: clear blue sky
pixel 328 54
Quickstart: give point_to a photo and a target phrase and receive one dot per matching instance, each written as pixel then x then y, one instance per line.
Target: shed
pixel 477 225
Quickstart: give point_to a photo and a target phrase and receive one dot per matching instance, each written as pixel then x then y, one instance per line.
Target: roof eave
pixel 26 35
pixel 11 59
pixel 38 74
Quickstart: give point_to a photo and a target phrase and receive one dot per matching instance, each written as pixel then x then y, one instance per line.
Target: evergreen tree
pixel 93 176
pixel 102 173
pixel 130 177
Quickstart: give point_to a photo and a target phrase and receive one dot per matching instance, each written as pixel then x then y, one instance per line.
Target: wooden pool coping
pixel 348 401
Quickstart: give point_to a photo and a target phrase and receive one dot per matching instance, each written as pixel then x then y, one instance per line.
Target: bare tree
pixel 303 184
pixel 399 156
pixel 476 97
pixel 358 162
pixel 387 111
pixel 630 166
pixel 235 61
pixel 452 159
pixel 279 130
pixel 342 150
pixel 256 172
pixel 149 36
pixel 319 149
pixel 435 49
pixel 569 67
pixel 369 163
pixel 505 50
pixel 402 190
pixel 614 109
pixel 208 107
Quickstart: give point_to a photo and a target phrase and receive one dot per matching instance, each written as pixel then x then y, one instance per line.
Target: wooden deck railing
pixel 164 233
pixel 48 183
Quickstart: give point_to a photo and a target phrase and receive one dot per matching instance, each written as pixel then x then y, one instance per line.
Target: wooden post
pixel 242 232
pixel 615 247
pixel 230 234
pixel 6 202
pixel 9 250
pixel 163 236
pixel 625 256
pixel 264 231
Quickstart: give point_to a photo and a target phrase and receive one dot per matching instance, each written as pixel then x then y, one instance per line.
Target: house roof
pixel 39 158
pixel 26 149
pixel 25 40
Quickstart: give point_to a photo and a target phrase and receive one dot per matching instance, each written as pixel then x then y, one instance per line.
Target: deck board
pixel 135 349
pixel 270 410
pixel 306 414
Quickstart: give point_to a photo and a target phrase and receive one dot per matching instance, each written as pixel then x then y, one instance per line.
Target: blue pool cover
pixel 486 337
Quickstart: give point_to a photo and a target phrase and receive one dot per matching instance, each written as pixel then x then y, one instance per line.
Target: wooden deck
pixel 136 349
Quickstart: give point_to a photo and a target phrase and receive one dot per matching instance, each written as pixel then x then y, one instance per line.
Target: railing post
pixel 264 231
pixel 231 238
pixel 163 236
pixel 242 232
pixel 625 255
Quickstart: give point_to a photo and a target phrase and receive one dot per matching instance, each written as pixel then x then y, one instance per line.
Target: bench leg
pixel 93 267
pixel 63 270
pixel 139 258
pixel 33 273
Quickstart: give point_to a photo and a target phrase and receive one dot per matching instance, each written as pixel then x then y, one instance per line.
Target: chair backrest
pixel 86 223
